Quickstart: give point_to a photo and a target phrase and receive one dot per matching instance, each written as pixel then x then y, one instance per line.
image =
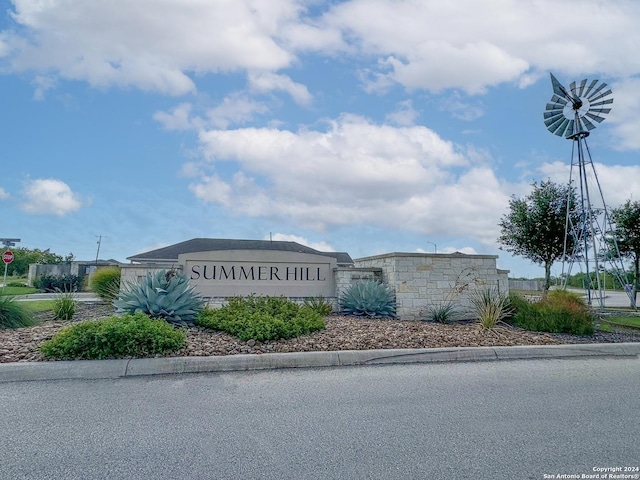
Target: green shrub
pixel 105 282
pixel 64 305
pixel 490 306
pixel 368 298
pixel 16 284
pixel 319 304
pixel 163 294
pixel 559 312
pixel 14 314
pixel 53 283
pixel 262 318
pixel 114 337
pixel 442 313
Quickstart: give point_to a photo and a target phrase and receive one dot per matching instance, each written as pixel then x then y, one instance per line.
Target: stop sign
pixel 7 257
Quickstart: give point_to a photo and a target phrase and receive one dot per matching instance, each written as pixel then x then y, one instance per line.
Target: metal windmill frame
pixel 569 114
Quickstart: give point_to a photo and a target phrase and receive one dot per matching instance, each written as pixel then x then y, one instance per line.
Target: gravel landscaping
pixel 341 333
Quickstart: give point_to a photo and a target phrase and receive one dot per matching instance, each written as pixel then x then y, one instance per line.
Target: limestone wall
pixel 421 280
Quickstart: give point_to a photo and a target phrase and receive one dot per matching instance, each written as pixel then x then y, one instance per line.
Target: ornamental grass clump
pixel 14 314
pixel 128 336
pixel 558 312
pixel 164 294
pixel 64 305
pixel 319 304
pixel 445 312
pixel 105 282
pixel 490 306
pixel 262 318
pixel 368 298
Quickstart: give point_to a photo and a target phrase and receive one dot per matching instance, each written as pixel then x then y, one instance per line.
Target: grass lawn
pixel 17 290
pixel 628 321
pixel 38 305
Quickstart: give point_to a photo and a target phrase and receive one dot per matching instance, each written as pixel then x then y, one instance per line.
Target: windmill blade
pixel 566 128
pixel 600 110
pixel 557 99
pixel 582 84
pixel 603 102
pixel 552 113
pixel 590 126
pixel 595 92
pixel 569 130
pixel 590 87
pixel 595 117
pixel 556 119
pixel 554 106
pixel 562 127
pixel 552 125
pixel 602 95
pixel 572 87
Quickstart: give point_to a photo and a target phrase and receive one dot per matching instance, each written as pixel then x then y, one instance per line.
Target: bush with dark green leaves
pixel 128 336
pixel 368 298
pixel 559 312
pixel 262 318
pixel 54 283
pixel 105 282
pixel 14 314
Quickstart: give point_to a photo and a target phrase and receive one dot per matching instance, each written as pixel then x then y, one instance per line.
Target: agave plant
pixel 163 294
pixel 368 298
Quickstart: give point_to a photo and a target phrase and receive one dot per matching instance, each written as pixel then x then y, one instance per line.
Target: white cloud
pixel 179 118
pixel 471 45
pixel 43 84
pixel 624 114
pixel 460 109
pixel 429 44
pixel 267 82
pixel 618 183
pixel 49 197
pixel 405 115
pixel 3 194
pixel 236 108
pixel 149 44
pixel 355 172
pixel 284 237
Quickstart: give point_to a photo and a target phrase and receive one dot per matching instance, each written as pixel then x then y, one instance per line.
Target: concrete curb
pixel 100 369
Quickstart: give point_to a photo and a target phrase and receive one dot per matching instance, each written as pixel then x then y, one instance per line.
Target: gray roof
pixel 170 253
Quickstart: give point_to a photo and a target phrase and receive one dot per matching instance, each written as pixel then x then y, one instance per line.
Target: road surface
pixel 483 420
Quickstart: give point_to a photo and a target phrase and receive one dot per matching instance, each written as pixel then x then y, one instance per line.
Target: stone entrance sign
pixel 261 272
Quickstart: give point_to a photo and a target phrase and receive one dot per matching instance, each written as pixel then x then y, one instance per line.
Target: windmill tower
pixel 571 114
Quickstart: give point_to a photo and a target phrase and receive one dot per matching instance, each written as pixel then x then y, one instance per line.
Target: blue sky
pixel 366 126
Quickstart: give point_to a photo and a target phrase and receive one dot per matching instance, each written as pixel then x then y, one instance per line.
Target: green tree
pixel 535 225
pixel 23 257
pixel 627 234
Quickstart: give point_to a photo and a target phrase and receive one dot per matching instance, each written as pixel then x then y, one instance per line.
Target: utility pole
pixel 98 251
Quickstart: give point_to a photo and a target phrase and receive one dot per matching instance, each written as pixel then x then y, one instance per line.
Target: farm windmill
pixel 571 113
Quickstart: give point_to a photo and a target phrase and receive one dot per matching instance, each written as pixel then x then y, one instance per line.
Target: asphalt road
pixel 486 420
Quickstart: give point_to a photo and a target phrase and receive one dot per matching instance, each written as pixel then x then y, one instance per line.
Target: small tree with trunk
pixel 626 220
pixel 535 225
